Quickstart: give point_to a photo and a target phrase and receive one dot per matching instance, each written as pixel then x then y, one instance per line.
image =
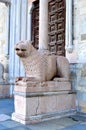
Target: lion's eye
pixel 17 49
pixel 23 49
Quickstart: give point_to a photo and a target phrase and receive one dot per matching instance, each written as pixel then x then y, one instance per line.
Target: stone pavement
pixel 74 122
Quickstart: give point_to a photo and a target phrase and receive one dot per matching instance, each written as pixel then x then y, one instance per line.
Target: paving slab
pixel 2 127
pixel 18 128
pixel 6 106
pixel 55 124
pixel 4 117
pixel 10 124
pixel 76 127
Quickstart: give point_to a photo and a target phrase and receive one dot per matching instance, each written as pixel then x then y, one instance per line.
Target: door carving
pixel 35 24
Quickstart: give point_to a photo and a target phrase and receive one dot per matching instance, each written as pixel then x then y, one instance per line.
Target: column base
pixel 41 117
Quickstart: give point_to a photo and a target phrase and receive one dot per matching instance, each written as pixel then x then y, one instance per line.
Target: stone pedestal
pixel 36 102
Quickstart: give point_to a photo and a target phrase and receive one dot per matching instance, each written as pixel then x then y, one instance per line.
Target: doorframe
pixel 68 25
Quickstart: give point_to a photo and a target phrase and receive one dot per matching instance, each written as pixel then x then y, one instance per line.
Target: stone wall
pixel 3 29
pixel 79 33
pixel 4 85
pixel 77 58
pixel 15 14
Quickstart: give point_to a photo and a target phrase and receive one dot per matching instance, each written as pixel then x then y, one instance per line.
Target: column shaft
pixel 70 23
pixel 43 25
pixel 69 44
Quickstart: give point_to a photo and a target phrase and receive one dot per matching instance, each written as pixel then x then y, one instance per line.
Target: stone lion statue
pixel 41 67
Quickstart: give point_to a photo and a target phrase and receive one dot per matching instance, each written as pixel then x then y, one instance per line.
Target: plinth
pixel 36 102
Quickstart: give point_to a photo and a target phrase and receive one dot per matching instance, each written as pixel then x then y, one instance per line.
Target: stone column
pixel 30 8
pixel 67 25
pixel 43 25
pixel 69 42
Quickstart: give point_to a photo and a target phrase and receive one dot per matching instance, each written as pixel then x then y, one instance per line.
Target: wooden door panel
pixel 35 24
pixel 56 26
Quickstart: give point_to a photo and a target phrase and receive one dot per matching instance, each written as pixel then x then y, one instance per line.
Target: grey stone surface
pixel 2 127
pixel 79 117
pixel 4 117
pixel 76 127
pixel 6 106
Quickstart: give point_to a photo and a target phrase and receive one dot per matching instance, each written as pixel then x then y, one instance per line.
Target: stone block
pixel 47 86
pixel 39 103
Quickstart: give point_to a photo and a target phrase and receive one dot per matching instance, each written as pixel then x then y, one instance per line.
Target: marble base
pixel 41 102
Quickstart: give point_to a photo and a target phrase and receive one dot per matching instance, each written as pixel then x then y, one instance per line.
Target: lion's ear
pixel 29 42
pixel 32 42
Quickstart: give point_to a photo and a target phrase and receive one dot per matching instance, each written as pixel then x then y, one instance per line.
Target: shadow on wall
pixel 1 72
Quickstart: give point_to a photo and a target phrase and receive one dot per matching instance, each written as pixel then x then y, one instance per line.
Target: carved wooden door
pixel 56 26
pixel 35 24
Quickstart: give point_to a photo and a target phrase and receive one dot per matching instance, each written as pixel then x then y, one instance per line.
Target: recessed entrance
pixel 56 28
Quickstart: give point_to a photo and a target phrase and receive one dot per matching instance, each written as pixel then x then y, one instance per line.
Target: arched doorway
pixel 56 20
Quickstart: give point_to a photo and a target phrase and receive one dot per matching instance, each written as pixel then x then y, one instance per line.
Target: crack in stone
pixel 37 106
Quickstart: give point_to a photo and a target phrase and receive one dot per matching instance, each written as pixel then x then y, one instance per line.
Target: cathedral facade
pixel 55 25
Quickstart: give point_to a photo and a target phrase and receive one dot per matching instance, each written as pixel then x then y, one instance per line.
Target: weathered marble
pixel 41 67
pixel 39 102
pixel 48 86
pixel 46 90
pixel 78 78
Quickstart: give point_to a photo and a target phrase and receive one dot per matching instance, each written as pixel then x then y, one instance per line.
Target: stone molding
pixel 69 41
pixel 30 8
pixel 29 17
pixel 29 1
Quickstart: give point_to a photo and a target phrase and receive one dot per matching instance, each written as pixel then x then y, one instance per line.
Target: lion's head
pixel 23 48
